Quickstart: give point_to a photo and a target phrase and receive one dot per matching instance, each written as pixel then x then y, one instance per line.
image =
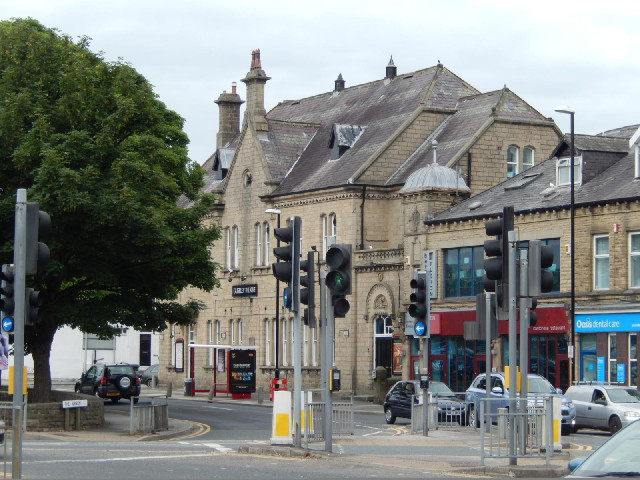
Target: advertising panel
pixel 242 371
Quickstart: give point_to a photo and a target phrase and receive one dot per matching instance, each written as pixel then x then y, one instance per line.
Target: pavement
pixel 117 428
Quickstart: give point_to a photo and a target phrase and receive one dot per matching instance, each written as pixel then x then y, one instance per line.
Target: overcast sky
pixel 580 53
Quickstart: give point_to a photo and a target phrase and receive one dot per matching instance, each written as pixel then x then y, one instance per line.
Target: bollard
pixel 281 433
pixel 211 390
pixel 169 389
pixel 502 423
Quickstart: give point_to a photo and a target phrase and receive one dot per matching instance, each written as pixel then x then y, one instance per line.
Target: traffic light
pixel 38 226
pixel 496 266
pixel 477 330
pixel 540 258
pixel 288 268
pixel 338 278
pixel 533 315
pixel 307 294
pixel 33 302
pixel 7 300
pixel 419 298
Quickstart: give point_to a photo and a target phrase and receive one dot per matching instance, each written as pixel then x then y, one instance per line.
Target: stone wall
pixel 50 417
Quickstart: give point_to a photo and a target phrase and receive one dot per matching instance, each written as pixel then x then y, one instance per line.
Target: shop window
pixel 633 359
pixel 634 260
pixel 613 355
pixel 463 271
pixel 601 262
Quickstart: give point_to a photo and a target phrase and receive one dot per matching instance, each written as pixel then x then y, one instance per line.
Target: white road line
pixel 122 459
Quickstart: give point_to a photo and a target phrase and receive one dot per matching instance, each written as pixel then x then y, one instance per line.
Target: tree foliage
pixel 93 145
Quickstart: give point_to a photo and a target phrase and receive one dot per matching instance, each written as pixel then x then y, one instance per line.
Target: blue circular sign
pixel 7 324
pixel 418 327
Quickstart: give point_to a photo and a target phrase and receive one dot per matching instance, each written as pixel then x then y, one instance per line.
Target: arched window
pixel 267 342
pixel 236 255
pixel 528 158
pixel 239 323
pixel 512 161
pixel 217 332
pixel 258 244
pixel 283 336
pixel 266 244
pixel 227 239
pixel 210 342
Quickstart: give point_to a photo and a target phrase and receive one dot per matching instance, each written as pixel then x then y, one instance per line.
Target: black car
pixel 149 374
pixel 398 402
pixel 110 381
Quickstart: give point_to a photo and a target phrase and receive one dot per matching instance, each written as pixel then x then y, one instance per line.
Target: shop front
pixel 608 347
pixel 456 361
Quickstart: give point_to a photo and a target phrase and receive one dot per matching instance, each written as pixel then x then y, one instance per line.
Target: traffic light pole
pixel 19 262
pixel 513 335
pixel 328 322
pixel 524 339
pixel 487 348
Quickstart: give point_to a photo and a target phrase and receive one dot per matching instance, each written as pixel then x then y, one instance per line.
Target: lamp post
pixel 277 371
pixel 572 306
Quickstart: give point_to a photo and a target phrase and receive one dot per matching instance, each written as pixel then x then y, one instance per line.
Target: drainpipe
pixel 364 191
pixel 469 169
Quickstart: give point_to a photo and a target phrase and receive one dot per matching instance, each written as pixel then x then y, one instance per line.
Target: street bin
pixel 189 387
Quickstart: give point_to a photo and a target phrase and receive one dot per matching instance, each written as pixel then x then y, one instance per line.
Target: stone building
pixel 366 165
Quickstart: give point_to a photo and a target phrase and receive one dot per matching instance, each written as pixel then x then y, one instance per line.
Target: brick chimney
pixel 255 80
pixel 228 115
pixel 339 84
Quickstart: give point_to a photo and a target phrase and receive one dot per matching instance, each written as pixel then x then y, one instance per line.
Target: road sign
pixel 419 328
pixel 7 324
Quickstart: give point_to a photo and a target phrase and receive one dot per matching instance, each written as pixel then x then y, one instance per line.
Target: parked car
pixel 617 457
pixel 398 401
pixel 149 374
pixel 605 407
pixel 538 386
pixel 110 381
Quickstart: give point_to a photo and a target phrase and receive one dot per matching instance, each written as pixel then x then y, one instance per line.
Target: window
pixel 613 355
pixel 217 332
pixel 463 271
pixel 633 358
pixel 192 334
pixel 233 332
pixel 239 324
pixel 314 347
pixel 512 161
pixel 527 158
pixel 383 343
pixel 563 172
pixel 267 342
pixel 258 244
pixel 210 341
pixel 634 260
pixel 236 256
pixel 601 262
pixel 555 267
pixel 172 336
pixel 305 345
pixel 266 244
pixel 328 232
pixel 283 336
pixel 227 237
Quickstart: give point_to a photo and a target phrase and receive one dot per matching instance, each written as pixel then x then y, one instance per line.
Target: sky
pixel 576 53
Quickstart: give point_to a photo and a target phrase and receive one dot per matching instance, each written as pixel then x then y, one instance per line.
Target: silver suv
pixel 605 407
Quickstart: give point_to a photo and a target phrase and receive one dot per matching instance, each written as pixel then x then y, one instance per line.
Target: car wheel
pixel 567 430
pixel 95 392
pixel 77 388
pixel 614 425
pixel 150 382
pixel 389 416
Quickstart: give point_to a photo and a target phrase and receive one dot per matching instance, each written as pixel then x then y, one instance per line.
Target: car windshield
pixel 121 370
pixel 440 389
pixel 624 395
pixel 540 385
pixel 618 456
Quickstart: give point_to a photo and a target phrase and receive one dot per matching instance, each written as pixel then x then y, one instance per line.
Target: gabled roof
pixel 536 190
pixel 378 108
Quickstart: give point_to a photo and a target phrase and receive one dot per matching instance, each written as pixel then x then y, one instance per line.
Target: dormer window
pixel 342 138
pixel 563 172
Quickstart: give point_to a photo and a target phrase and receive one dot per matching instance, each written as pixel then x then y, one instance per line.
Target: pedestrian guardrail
pixel 149 416
pixel 445 411
pixel 530 436
pixel 313 417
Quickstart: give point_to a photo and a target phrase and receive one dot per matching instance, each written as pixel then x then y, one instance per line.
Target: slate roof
pixel 535 190
pixel 381 107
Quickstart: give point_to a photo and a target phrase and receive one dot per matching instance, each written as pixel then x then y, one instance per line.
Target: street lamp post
pixel 572 306
pixel 277 370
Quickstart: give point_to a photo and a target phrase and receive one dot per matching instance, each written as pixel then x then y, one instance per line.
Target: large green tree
pixel 93 145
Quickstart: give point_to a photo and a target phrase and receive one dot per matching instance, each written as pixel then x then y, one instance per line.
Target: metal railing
pixel 444 412
pixel 531 436
pixel 149 417
pixel 313 417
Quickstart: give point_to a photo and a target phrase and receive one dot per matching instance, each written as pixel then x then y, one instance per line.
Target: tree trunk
pixel 39 339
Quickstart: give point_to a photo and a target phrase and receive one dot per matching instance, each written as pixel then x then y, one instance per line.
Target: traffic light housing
pixel 38 226
pixel 7 300
pixel 533 315
pixel 419 298
pixel 496 265
pixel 338 279
pixel 33 302
pixel 307 294
pixel 540 259
pixel 287 269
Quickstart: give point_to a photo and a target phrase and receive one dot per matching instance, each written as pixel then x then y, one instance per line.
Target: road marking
pixel 217 447
pixel 121 459
pixel 203 428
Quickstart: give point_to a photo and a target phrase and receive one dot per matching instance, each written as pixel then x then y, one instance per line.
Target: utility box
pixel 334 380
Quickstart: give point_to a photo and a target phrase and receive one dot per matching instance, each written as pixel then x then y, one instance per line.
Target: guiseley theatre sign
pixel 245 290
